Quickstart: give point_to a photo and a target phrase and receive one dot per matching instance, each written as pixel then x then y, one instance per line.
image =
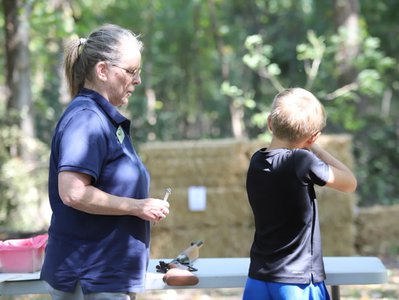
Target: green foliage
pixel 378 163
pixel 239 97
pixel 343 103
pixel 265 46
pixel 22 184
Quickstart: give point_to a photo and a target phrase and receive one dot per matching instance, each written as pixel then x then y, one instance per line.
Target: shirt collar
pixel 105 105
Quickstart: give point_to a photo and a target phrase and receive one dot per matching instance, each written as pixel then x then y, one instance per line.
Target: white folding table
pixel 214 273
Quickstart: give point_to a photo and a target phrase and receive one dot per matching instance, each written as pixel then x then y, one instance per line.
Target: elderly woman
pixel 98 187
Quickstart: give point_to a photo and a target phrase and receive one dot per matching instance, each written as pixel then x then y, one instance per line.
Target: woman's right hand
pixel 152 209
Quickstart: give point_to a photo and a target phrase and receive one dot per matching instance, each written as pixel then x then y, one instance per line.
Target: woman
pixel 98 187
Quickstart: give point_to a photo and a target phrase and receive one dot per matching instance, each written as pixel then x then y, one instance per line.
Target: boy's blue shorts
pixel 262 290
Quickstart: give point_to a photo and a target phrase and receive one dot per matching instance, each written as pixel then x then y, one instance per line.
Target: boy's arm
pixel 341 177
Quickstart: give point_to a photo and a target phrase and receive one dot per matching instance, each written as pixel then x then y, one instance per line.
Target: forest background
pixel 210 70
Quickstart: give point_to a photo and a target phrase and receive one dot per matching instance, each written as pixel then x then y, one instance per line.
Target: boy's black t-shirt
pixel 287 243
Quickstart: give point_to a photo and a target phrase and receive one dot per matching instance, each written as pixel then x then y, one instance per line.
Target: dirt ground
pixel 387 291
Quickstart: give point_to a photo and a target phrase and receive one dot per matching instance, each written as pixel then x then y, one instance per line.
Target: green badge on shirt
pixel 120 134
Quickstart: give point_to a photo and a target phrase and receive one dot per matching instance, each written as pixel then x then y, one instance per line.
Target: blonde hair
pixel 81 54
pixel 296 114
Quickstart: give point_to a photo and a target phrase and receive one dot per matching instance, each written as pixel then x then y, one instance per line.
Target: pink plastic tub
pixel 22 255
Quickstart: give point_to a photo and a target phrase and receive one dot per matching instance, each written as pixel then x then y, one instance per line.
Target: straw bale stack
pixel 378 231
pixel 226 225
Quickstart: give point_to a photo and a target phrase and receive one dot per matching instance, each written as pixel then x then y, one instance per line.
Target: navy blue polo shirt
pixel 287 243
pixel 104 253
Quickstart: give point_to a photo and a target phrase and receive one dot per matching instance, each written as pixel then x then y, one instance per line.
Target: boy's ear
pixel 269 123
pixel 312 139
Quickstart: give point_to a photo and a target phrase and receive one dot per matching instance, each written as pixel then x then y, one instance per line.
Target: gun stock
pixel 178 272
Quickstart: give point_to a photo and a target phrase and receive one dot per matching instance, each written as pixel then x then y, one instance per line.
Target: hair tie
pixel 82 41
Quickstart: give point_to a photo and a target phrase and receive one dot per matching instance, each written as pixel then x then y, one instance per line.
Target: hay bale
pixel 336 215
pixel 377 230
pixel 222 241
pixel 224 207
pixel 227 222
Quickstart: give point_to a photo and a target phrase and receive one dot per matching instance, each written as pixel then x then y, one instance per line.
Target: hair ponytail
pixel 72 51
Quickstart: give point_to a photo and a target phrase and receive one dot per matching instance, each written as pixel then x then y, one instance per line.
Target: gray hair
pixel 81 54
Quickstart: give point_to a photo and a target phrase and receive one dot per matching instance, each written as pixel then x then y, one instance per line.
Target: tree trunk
pixel 19 95
pixel 236 112
pixel 347 20
pixel 148 86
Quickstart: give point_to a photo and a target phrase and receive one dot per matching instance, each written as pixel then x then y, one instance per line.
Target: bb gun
pixel 178 272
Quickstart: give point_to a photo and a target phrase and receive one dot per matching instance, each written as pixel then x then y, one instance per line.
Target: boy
pixel 286 255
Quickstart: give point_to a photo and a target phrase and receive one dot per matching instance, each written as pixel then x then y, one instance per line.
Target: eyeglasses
pixel 133 73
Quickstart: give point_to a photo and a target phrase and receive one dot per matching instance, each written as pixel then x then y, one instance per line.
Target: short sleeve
pixel 311 169
pixel 82 144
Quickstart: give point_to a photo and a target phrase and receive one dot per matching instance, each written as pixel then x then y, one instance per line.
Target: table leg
pixel 335 292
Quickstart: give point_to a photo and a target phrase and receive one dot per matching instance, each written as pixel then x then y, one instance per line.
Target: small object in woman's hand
pixel 167 193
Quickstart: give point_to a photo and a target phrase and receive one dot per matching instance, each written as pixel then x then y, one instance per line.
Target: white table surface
pixel 222 273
